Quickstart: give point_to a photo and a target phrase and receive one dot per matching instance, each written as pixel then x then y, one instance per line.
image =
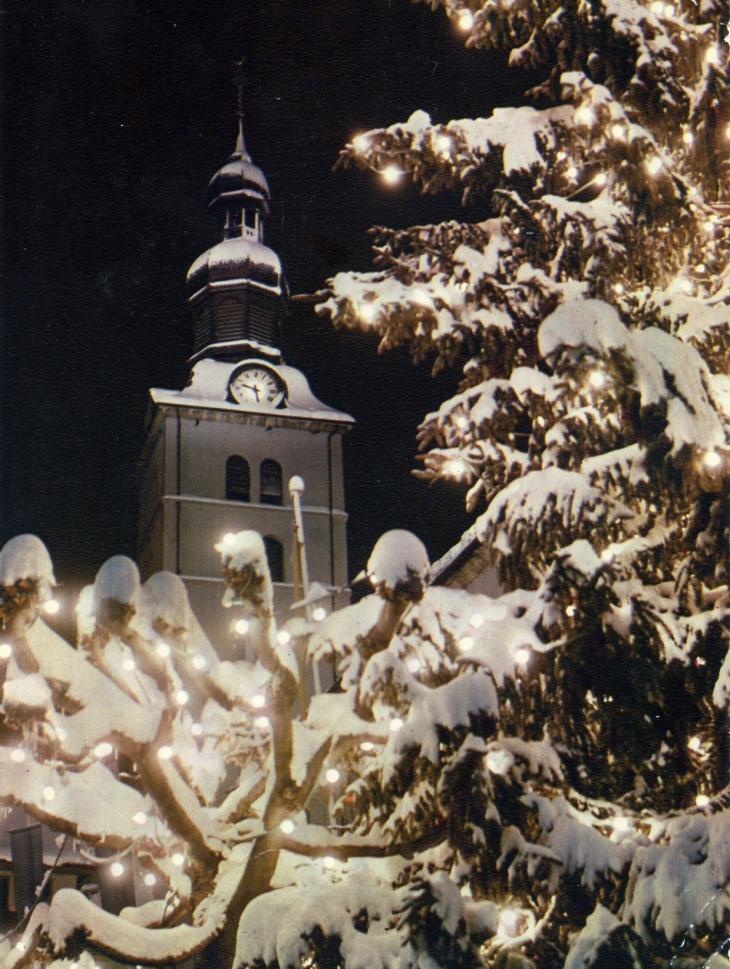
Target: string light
pixel 332 775
pixel 258 701
pixel 657 7
pixel 367 746
pixel 196 729
pixel 140 818
pixel 319 614
pixel 287 826
pixel 392 174
pixel 199 661
pixel 621 823
pixel 283 637
pixel 694 743
pixel 499 761
pixel 712 459
pixel 476 620
pixel 455 468
pixel 261 722
pixel 572 172
pixel 413 664
pixel 465 19
pixel 395 724
pixel 163 650
pixel 443 145
pixel 600 179
pixel 181 697
pixel 18 755
pixel 103 750
pixel 466 643
pixel 6 651
pixel 241 627
pixel 522 655
pixel 21 946
pixel 618 132
pixel 48 793
pixel 508 921
pixel 128 665
pixel 654 165
pixel 688 138
pixel 712 56
pixel 700 267
pixel 570 611
pixel 51 606
pixel 150 879
pixel 178 859
pixel 584 115
pixel 328 861
pixel 618 288
pixel 117 869
pixel 702 800
pixel 361 142
pixel 597 379
pixel 165 753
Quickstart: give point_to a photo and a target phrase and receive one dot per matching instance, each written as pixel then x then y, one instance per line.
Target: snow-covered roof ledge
pixel 463 562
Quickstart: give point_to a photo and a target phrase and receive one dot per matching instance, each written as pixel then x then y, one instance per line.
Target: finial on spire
pixel 239 81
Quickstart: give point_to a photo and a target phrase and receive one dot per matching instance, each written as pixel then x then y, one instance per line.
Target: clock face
pixel 257 384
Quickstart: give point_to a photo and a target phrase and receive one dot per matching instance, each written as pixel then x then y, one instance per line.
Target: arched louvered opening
pixel 275 557
pixel 238 479
pixel 272 487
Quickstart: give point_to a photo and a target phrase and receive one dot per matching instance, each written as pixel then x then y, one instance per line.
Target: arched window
pixel 238 479
pixel 272 490
pixel 275 557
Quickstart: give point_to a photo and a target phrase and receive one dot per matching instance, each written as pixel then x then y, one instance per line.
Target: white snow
pixel 398 557
pixel 246 551
pixel 117 579
pixel 26 557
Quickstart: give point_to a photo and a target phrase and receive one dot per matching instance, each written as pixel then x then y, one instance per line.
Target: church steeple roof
pixel 239 179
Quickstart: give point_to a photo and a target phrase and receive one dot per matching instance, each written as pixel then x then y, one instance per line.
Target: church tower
pixel 219 454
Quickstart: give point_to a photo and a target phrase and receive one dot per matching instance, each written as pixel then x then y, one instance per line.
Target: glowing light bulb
pixel 508 920
pixel 572 172
pixel 522 655
pixel 618 288
pixel 199 662
pixel 241 627
pixel 570 611
pixel 621 823
pixel 128 665
pixel 319 614
pixel 413 664
pixel 476 620
pixel 196 729
pixel 150 879
pixel 6 651
pixel 584 115
pixel 117 869
pixel 657 6
pixel 712 459
pixel 618 132
pixel 103 750
pixel 261 722
pixel 332 775
pixel 283 637
pixel 18 755
pixel 229 539
pixel 395 724
pixel 499 761
pixel 597 379
pixel 540 420
pixel 694 743
pixel 443 145
pixel 712 56
pixel 654 165
pixel 328 861
pixel 367 746
pixel 258 701
pixel 21 946
pixel 700 267
pixel 361 142
pixel 607 555
pixel 178 859
pixel 48 793
pixel 181 697
pixel 600 179
pixel 140 818
pixel 688 138
pixel 164 753
pixel 287 826
pixel 668 10
pixel 392 174
pixel 687 286
pixel 465 19
pixel 466 643
pixel 163 650
pixel 51 606
pixel 702 800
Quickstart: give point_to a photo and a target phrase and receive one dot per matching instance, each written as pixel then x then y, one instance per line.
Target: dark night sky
pixel 115 114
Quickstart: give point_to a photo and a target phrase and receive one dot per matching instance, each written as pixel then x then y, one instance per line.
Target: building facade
pixel 219 454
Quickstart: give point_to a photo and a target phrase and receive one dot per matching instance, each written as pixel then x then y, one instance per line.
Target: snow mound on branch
pixel 26 557
pixel 585 945
pixel 268 935
pixel 165 597
pixel 664 368
pixel 398 557
pixel 241 552
pixel 117 579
